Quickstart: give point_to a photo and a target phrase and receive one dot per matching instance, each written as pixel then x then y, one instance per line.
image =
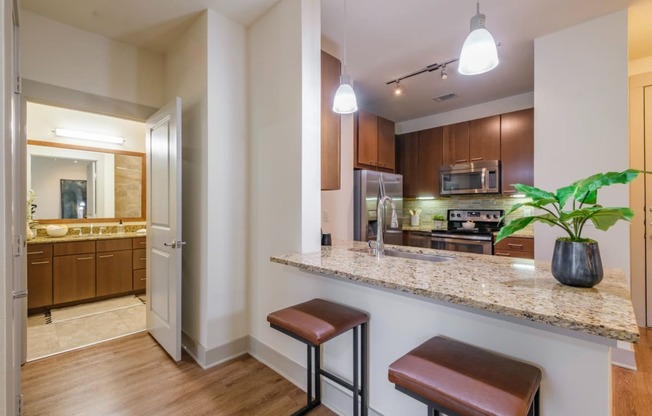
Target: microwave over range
pixel 470 178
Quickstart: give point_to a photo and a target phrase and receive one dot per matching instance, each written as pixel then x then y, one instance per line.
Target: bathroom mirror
pixel 80 184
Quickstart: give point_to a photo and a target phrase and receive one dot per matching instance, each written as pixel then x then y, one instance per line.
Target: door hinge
pixel 19 294
pixel 19 85
pixel 19 245
pixel 19 405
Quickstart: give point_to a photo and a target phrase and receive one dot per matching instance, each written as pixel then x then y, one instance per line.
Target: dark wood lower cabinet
pixel 74 277
pixel 140 279
pixel 114 272
pixel 39 284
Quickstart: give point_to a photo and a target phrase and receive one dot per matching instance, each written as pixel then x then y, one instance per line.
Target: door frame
pixel 640 282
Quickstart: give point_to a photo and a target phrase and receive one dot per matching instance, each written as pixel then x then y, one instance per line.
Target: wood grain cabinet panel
pixel 75 247
pixel 517 149
pixel 521 247
pixel 139 242
pixel 140 279
pixel 140 259
pixel 74 277
pixel 330 124
pixel 113 245
pixel 367 139
pixel 430 160
pixel 456 143
pixel 39 275
pixel 386 144
pixel 114 272
pixel 407 160
pixel 484 139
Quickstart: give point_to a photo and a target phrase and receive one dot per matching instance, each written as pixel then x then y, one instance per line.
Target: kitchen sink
pixel 416 256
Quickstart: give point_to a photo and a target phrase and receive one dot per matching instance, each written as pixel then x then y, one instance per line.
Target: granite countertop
pixel 516 288
pixel 85 237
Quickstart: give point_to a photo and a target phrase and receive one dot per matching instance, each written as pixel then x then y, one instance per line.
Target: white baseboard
pixel 336 398
pixel 624 356
pixel 210 358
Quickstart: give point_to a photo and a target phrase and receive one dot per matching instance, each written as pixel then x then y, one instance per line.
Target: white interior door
pixel 164 227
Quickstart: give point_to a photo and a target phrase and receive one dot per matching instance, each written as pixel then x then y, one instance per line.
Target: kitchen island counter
pixel 516 289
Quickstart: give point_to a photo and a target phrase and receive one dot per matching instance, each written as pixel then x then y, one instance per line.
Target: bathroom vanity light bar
pixel 75 134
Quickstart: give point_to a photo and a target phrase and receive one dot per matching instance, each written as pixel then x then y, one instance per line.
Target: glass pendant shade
pixel 345 101
pixel 479 54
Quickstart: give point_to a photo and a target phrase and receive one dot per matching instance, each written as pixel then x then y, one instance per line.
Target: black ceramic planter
pixel 577 264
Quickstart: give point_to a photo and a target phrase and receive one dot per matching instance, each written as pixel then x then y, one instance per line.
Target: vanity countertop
pixel 512 288
pixel 85 237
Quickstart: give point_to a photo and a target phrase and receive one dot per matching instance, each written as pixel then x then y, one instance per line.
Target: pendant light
pixel 479 54
pixel 345 101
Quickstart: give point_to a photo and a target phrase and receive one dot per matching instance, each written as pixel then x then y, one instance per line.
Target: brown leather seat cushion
pixel 317 320
pixel 467 380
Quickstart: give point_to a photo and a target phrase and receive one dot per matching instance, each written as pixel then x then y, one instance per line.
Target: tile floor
pixel 78 326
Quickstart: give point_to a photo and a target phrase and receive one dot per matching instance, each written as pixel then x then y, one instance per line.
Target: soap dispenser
pixel 121 228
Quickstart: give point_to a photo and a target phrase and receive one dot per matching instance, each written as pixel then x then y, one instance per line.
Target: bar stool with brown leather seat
pixel 315 322
pixel 461 380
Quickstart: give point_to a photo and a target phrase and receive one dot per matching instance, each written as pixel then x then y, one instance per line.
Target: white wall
pixel 61 55
pixel 581 121
pixel 186 68
pixel 503 105
pixel 284 84
pixel 227 183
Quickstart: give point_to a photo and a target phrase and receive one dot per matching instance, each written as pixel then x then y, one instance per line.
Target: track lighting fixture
pixel 479 54
pixel 399 89
pixel 429 68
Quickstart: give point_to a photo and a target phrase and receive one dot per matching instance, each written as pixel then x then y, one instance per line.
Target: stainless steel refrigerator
pixel 365 197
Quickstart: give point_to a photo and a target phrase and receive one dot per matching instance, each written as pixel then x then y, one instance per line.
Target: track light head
pixel 398 89
pixel 444 74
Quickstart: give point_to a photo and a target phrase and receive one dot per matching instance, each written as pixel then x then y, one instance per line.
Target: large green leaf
pixel 534 193
pixel 605 218
pixel 514 226
pixel 597 181
pixel 564 193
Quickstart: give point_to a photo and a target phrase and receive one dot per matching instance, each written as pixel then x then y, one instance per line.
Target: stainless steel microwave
pixel 470 178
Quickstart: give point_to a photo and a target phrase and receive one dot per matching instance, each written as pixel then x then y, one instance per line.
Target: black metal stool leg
pixel 309 375
pixel 318 374
pixel 364 387
pixel 355 391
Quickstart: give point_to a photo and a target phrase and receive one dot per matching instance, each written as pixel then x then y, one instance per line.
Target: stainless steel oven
pixel 470 178
pixel 478 238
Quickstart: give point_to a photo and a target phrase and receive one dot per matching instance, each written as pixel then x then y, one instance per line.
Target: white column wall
pixel 581 121
pixel 61 55
pixel 186 68
pixel 284 159
pixel 227 183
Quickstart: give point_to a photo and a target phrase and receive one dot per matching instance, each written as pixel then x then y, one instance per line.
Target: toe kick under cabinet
pixel 65 273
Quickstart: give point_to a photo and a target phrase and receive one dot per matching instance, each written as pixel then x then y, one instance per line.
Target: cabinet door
pixel 367 138
pixel 430 160
pixel 114 272
pixel 140 259
pixel 74 277
pixel 456 143
pixel 517 149
pixel 484 139
pixel 386 144
pixel 39 281
pixel 416 239
pixel 407 153
pixel 330 124
pixel 140 279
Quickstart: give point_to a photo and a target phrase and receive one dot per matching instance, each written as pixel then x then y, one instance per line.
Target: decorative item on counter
pixel 121 228
pixel 31 210
pixel 576 260
pixel 56 230
pixel 438 222
pixel 394 221
pixel 468 225
pixel 415 220
pixel 326 240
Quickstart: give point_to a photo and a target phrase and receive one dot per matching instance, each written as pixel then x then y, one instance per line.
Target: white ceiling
pixel 386 39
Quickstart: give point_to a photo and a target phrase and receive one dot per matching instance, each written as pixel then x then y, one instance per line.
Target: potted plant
pixel 439 222
pixel 576 260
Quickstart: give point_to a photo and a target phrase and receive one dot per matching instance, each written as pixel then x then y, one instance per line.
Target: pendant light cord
pixel 345 36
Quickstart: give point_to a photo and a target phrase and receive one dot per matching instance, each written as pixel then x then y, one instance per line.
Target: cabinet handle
pixel 143 258
pixel 34 252
pixel 85 258
pixel 142 242
pixel 476 158
pixel 40 262
pixel 502 253
pixel 460 160
pixel 143 278
pixel 515 245
pixel 106 256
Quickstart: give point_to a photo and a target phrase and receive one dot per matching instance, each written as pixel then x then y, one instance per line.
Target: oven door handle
pixel 460 240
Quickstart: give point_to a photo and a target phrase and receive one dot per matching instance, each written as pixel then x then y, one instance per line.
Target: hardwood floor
pixel 633 389
pixel 133 376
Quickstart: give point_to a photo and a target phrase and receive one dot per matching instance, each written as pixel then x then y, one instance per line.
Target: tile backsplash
pixel 441 205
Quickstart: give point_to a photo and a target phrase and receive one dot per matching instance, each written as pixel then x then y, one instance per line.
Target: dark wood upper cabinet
pixel 330 124
pixel 484 139
pixel 430 160
pixel 517 149
pixel 456 143
pixel 367 138
pixel 386 144
pixel 374 143
pixel 407 159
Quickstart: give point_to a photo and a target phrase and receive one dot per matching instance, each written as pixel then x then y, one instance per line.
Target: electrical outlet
pixel 324 215
pixel 527 212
